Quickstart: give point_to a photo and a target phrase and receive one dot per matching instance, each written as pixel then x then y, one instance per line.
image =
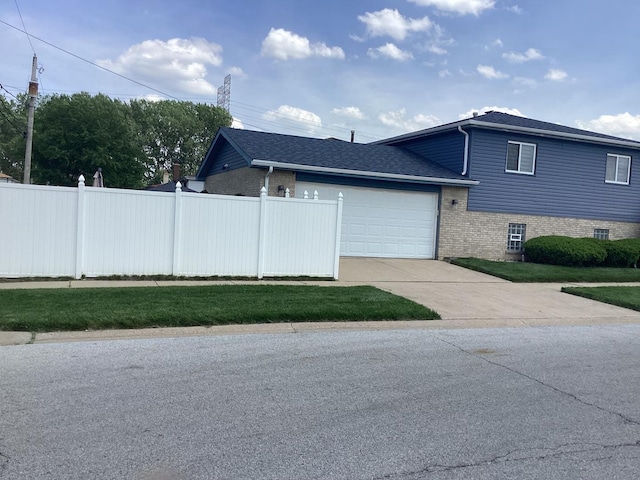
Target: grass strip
pixel 45 310
pixel 627 297
pixel 535 272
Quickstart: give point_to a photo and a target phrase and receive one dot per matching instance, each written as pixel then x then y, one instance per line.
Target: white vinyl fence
pixel 95 232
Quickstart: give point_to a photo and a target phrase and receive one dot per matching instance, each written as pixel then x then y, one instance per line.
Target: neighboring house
pixel 477 187
pixel 4 178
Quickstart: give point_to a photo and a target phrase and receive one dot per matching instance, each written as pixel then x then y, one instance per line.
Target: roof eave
pixel 471 122
pixel 359 173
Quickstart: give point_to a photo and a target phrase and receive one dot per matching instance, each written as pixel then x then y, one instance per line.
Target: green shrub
pixel 557 250
pixel 623 253
pixel 620 253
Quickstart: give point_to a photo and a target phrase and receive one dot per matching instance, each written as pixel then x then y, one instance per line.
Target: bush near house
pixel 583 252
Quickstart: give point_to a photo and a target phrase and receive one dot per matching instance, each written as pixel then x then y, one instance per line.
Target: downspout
pixel 266 179
pixel 466 150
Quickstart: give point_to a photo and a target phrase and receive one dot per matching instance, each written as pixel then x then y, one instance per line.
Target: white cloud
pixel 392 23
pixel 237 123
pixel 515 9
pixel 511 111
pixel 462 7
pixel 310 120
pixel 284 45
pixel 352 112
pixel 179 61
pixel 556 75
pixel 437 50
pixel 396 119
pixel 497 43
pixel 530 54
pixel 444 73
pixel 490 72
pixel 237 72
pixel 390 51
pixel 620 125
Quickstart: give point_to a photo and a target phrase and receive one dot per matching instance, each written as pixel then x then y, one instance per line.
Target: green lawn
pixel 627 297
pixel 535 272
pixel 42 310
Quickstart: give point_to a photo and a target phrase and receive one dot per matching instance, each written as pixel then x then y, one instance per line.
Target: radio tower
pixel 224 94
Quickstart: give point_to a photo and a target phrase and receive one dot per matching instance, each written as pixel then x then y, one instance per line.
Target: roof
pixel 170 187
pixel 513 123
pixel 332 156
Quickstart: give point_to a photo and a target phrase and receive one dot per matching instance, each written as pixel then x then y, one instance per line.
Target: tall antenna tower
pixel 224 94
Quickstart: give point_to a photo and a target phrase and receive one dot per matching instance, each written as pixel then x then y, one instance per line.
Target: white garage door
pixel 382 223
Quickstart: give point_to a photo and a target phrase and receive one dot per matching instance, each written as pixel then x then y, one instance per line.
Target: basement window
pixel 515 237
pixel 601 233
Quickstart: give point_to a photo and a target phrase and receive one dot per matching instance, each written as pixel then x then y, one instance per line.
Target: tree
pixel 76 134
pixel 173 131
pixel 13 125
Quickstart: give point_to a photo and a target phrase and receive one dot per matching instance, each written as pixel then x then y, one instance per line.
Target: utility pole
pixel 33 93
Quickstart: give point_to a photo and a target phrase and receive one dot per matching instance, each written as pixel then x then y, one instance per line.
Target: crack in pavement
pixel 533 379
pixel 553 452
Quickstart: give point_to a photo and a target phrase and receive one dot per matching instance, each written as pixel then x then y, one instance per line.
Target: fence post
pixel 177 220
pixel 80 229
pixel 262 231
pixel 336 264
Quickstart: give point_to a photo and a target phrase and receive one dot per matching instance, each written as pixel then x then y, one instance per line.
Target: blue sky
pixel 379 67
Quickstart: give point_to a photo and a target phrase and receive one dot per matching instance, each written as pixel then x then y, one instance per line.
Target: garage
pixel 382 223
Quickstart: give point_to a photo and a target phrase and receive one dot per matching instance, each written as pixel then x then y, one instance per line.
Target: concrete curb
pixel 23 338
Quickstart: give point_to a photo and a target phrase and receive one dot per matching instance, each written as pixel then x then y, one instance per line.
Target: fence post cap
pixel 81 180
pixel 263 191
pixel 178 186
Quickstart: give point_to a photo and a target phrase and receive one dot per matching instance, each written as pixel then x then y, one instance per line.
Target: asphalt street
pixel 556 402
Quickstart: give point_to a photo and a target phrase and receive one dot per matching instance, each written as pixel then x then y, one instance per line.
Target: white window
pixel 515 237
pixel 521 158
pixel 601 233
pixel 618 169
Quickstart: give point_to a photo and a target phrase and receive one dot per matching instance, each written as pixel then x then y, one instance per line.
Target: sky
pixel 321 69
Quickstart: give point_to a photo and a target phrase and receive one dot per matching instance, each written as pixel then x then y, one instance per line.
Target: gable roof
pixel 336 157
pixel 512 123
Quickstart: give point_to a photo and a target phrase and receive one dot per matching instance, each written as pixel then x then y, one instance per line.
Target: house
pixel 477 187
pixel 4 178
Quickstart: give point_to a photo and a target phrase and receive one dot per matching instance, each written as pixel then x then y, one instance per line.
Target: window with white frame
pixel 521 158
pixel 515 237
pixel 618 169
pixel 601 233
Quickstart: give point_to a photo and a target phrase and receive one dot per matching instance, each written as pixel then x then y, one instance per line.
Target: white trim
pixel 519 171
pixel 359 173
pixel 618 157
pixel 510 128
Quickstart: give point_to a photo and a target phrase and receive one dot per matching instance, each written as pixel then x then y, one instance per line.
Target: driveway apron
pixel 457 293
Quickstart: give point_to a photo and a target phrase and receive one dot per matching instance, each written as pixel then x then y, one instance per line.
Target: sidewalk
pixel 463 298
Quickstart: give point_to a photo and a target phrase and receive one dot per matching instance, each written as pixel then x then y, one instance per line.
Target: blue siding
pixel 568 180
pixel 446 149
pixel 227 155
pixel 364 182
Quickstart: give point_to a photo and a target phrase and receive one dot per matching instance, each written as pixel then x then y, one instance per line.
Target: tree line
pixel 133 142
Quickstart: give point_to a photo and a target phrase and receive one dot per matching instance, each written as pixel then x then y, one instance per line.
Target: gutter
pixel 466 150
pixel 358 173
pixel 512 129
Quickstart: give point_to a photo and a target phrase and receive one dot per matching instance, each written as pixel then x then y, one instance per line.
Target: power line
pixel 21 132
pixel 25 28
pixel 92 63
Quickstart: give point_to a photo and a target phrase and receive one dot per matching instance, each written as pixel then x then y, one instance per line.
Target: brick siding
pixel 248 182
pixel 484 235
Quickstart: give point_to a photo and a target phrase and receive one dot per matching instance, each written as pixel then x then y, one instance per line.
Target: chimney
pixel 176 171
pixel 475 114
pixel 353 135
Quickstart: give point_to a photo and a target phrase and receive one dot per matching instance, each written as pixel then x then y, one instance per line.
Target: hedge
pixel 569 251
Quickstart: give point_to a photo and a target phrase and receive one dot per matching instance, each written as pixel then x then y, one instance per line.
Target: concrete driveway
pixel 462 295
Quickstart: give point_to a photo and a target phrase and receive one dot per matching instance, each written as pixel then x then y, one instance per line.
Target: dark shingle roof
pixel 523 122
pixel 334 154
pixel 515 123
